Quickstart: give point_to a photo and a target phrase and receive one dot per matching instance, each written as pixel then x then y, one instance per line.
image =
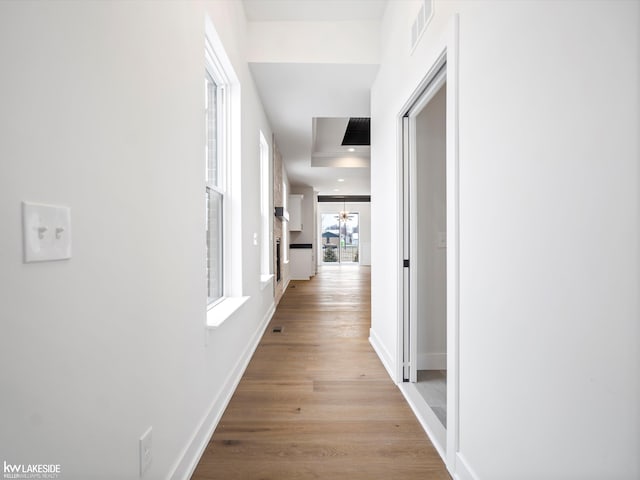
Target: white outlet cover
pixel 46 231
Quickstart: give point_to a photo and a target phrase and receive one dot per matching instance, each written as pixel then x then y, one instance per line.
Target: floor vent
pixel 277 330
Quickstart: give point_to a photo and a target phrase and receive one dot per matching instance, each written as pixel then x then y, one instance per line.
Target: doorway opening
pixel 340 233
pixel 424 128
pixel 428 357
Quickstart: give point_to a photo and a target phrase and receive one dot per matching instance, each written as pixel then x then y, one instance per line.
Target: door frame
pixel 436 82
pixel 446 55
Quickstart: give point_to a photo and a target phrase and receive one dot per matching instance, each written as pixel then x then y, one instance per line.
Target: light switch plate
pixel 46 231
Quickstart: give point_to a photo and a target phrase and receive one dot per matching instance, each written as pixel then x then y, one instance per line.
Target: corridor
pixel 315 401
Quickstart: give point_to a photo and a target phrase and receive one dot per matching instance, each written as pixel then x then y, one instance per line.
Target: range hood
pixel 282 214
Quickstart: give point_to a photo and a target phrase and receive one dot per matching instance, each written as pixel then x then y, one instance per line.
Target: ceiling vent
pixel 421 21
pixel 358 132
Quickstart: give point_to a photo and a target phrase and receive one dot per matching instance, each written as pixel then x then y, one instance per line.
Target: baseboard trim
pixel 382 353
pixel 192 453
pixel 463 471
pixel 301 277
pixel 430 424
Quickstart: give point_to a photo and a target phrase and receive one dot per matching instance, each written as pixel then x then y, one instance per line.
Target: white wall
pixel 549 230
pixel 102 111
pixel 364 210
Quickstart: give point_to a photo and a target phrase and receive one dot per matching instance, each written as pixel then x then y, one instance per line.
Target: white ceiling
pixel 294 93
pixel 313 10
pixel 327 149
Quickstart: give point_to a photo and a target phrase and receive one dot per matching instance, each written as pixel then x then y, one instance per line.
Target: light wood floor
pixel 315 401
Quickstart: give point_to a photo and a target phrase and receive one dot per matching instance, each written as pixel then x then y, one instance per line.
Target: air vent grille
pixel 421 21
pixel 358 132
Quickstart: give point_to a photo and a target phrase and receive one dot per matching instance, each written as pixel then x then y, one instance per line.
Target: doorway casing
pixel 446 60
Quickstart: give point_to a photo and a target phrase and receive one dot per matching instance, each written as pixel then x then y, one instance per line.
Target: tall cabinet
pixel 301 247
pixel 295 212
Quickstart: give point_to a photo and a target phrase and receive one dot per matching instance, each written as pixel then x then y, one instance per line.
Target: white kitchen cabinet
pixel 301 262
pixel 295 212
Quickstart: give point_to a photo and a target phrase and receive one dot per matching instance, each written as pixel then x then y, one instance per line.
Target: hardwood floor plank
pixel 315 402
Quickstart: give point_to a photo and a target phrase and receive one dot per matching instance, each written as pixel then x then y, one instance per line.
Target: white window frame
pixel 219 66
pixel 285 225
pixel 266 213
pixel 217 186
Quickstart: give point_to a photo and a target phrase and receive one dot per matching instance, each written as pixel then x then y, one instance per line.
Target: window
pixel 340 237
pixel 216 129
pixel 222 182
pixel 266 186
pixel 285 225
pixel 214 191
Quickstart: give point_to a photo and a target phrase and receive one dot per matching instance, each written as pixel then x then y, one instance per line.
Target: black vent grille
pixel 358 132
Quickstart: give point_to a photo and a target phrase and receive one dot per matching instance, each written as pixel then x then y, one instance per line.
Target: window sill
pixel 265 281
pixel 223 310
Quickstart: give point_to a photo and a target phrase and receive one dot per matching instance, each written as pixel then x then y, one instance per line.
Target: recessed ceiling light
pixel 336 189
pixel 341 179
pixel 351 149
